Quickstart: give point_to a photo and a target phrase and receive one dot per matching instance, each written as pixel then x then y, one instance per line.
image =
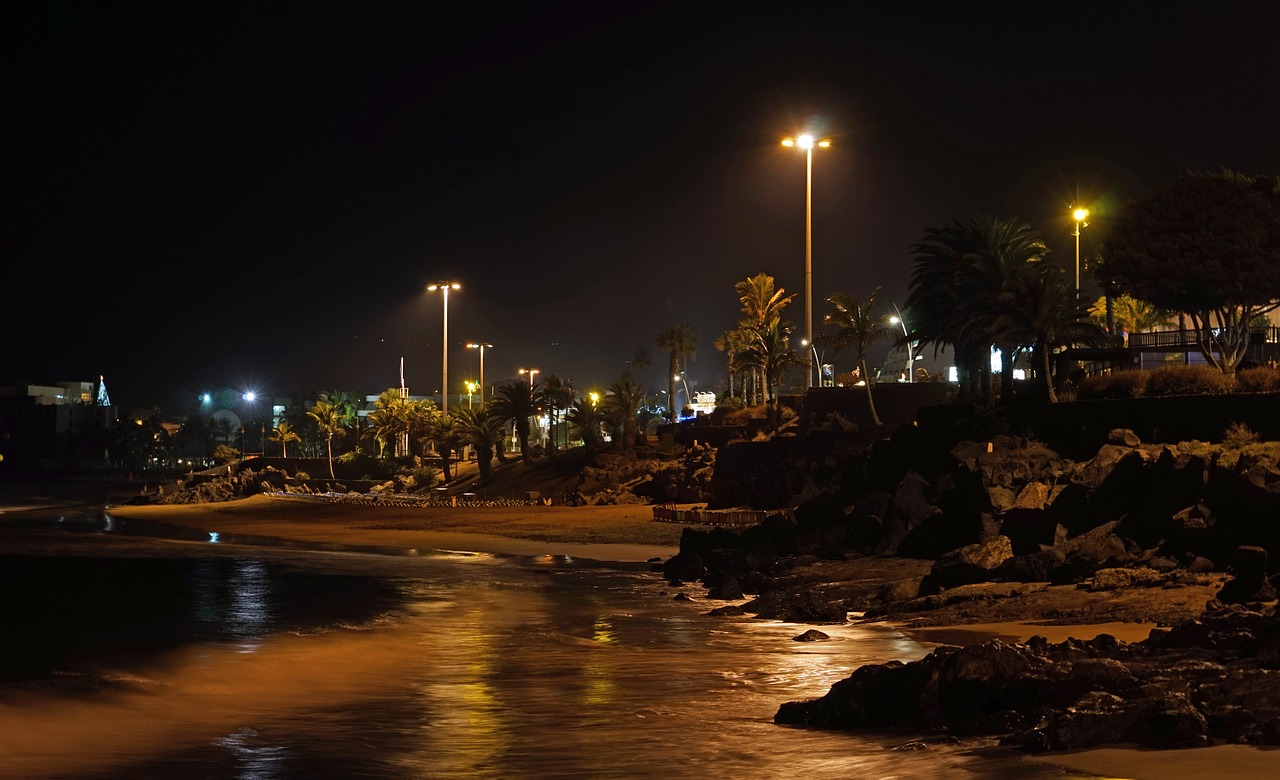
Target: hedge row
pixel 1178 380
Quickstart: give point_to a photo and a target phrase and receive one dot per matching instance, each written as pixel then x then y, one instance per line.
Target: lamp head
pixel 1079 215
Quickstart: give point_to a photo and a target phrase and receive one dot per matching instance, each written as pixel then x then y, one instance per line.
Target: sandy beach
pixel 625 533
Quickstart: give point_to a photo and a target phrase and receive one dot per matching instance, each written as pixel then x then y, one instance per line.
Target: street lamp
pixel 1079 216
pixel 688 399
pixel 471 388
pixel 248 398
pixel 530 372
pixel 444 288
pixel 482 346
pixel 897 320
pixel 807 143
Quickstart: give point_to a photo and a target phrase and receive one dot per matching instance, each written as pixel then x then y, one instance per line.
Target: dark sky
pixel 204 195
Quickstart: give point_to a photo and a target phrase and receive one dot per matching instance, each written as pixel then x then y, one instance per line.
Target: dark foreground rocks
pixel 1213 679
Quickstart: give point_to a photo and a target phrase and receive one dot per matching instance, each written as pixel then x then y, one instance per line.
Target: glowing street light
pixel 482 346
pixel 897 320
pixel 530 372
pixel 444 288
pixel 471 388
pixel 1079 215
pixel 807 143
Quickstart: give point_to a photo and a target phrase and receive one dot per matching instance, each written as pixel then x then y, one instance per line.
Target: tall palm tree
pixel 861 324
pixel 678 342
pixel 284 433
pixel 622 403
pixel 447 435
pixel 484 430
pixel 389 422
pixel 960 270
pixel 329 420
pixel 516 401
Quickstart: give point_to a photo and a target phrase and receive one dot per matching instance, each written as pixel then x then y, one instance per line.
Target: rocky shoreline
pixel 1175 536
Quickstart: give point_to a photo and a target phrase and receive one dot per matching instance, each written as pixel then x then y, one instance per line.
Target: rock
pixel 1030 529
pixel 1124 437
pixel 682 597
pixel 727 590
pixel 684 565
pixel 727 611
pixel 1250 584
pixel 969 564
pixel 1032 567
pixel 812 635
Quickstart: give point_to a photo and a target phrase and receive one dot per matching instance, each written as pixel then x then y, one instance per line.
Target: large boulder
pixel 969 564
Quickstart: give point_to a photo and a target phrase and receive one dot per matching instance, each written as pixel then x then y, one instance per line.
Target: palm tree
pixel 1040 312
pixel 447 435
pixel 678 342
pixel 484 430
pixel 761 300
pixel 861 325
pixel 622 402
pixel 731 343
pixel 516 401
pixel 762 303
pixel 769 352
pixel 960 271
pixel 284 433
pixel 585 419
pixel 559 394
pixel 329 420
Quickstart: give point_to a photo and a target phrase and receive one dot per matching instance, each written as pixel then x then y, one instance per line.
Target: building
pixel 66 424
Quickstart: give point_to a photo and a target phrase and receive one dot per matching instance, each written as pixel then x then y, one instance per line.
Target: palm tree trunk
pixel 329 442
pixel 1048 375
pixel 871 403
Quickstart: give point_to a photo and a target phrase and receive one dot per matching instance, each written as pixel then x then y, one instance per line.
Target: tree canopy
pixel 1207 245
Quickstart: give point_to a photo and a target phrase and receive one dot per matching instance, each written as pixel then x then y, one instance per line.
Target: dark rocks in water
pixel 726 589
pixel 797 606
pixel 682 597
pixel 812 635
pixel 727 611
pixel 687 566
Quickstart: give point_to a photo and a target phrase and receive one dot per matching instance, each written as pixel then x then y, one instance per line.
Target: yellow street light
pixel 530 372
pixel 1079 215
pixel 807 143
pixel 444 288
pixel 482 346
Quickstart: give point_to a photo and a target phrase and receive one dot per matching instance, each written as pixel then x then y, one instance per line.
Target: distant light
pixel 1079 215
pixel 250 396
pixel 824 144
pixel 213 537
pixel 788 142
pixel 205 398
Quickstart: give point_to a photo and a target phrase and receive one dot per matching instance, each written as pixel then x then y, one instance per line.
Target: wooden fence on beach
pixel 669 513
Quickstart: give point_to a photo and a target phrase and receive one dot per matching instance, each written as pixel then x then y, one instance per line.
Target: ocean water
pixel 132 651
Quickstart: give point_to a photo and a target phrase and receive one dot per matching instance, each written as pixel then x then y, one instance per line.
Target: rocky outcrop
pixel 1212 679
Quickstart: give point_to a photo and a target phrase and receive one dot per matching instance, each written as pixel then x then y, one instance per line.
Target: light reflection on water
pixel 497 670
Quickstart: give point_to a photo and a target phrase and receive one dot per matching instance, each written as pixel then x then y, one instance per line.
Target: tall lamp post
pixel 911 358
pixel 1079 216
pixel 530 372
pixel 807 143
pixel 482 346
pixel 444 288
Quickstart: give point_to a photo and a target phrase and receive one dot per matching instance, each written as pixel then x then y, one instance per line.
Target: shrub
pixel 302 475
pixel 1187 380
pixel 1258 380
pixel 1121 384
pixel 1238 435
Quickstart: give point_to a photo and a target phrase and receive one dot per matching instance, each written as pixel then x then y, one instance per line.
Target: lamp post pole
pixel 444 288
pixel 1079 216
pixel 807 143
pixel 911 358
pixel 482 346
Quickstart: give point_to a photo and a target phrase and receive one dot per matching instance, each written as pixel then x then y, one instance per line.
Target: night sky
pixel 256 195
